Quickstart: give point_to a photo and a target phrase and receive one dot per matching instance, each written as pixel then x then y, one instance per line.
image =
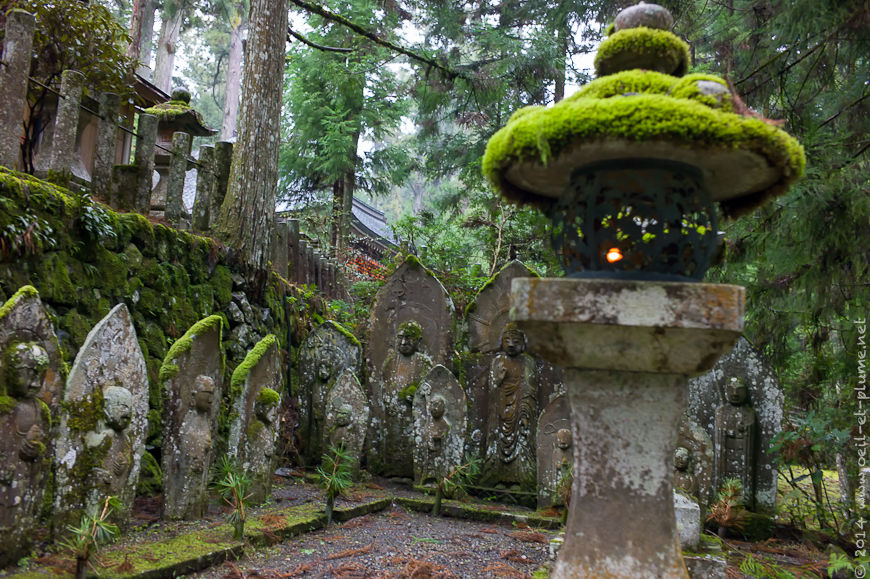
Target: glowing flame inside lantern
pixel 613 255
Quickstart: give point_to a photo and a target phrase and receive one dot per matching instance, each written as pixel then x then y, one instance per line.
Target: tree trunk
pixel 248 212
pixel 347 201
pixel 146 38
pixel 234 77
pixel 562 32
pixel 165 61
pixel 335 225
pixel 135 30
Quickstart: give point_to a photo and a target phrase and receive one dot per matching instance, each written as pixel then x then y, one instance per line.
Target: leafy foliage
pixel 232 484
pixel 456 481
pixel 93 531
pixel 335 476
pixel 727 511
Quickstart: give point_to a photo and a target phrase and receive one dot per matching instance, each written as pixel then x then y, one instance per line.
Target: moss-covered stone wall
pixel 84 258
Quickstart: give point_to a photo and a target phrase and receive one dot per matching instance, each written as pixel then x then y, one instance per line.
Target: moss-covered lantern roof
pixel 178 114
pixel 643 107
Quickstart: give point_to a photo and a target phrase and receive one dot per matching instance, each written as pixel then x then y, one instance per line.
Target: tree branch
pixel 303 40
pixel 320 11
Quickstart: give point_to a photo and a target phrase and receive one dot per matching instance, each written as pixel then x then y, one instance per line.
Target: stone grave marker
pixel 346 417
pixel 707 393
pixel 439 425
pixel 327 351
pixel 101 437
pixel 254 432
pixel 31 379
pixel 693 462
pixel 192 382
pixel 555 452
pixel 512 418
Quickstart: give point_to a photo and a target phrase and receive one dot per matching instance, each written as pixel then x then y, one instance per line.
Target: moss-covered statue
pixel 513 411
pixel 734 445
pixel 25 423
pixel 347 418
pixel 402 373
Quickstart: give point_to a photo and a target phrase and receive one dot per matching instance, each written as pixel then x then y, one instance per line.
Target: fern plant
pixel 335 476
pixel 86 538
pixel 232 483
pixel 727 512
pixel 455 481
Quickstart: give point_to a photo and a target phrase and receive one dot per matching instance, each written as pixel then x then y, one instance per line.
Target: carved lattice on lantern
pixel 635 219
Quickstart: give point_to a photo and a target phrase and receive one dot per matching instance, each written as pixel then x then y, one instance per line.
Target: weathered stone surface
pixel 512 415
pixel 636 326
pixel 439 425
pixel 29 379
pixel 66 123
pixel 693 462
pixel 488 313
pixel 706 567
pixel 107 138
pixel 103 424
pixel 486 318
pixel 325 354
pixel 707 393
pixel 346 417
pixel 146 138
pixel 254 432
pixel 23 319
pixel 688 515
pixel 555 454
pixel 17 44
pixel 412 293
pixel 734 441
pixel 391 436
pixel 192 383
pixel 175 211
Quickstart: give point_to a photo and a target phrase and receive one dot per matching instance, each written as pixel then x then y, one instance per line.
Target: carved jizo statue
pixel 513 410
pixel 684 478
pixel 24 429
pixel 111 475
pixel 735 440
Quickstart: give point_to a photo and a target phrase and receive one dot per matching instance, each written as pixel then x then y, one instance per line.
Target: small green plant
pixel 455 481
pixel 232 483
pixel 727 511
pixel 87 537
pixel 335 476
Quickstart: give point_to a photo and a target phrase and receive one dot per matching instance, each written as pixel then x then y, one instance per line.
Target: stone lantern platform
pixel 628 349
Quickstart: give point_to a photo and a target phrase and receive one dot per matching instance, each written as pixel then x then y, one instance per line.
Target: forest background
pixel 394 100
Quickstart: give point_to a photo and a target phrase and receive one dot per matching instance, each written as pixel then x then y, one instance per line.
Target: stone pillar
pixel 175 210
pixel 107 136
pixel 324 277
pixel 310 272
pixel 66 124
pixel 199 220
pixel 146 138
pixel 293 250
pixel 628 349
pixel 330 280
pixel 315 269
pixel 14 70
pixel 280 248
pixel 223 160
pixel 125 183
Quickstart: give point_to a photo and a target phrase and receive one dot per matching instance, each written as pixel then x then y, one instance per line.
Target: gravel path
pixel 398 543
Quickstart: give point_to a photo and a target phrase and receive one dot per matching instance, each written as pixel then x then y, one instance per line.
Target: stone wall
pixel 84 259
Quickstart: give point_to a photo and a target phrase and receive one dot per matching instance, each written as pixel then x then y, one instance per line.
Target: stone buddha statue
pixel 734 444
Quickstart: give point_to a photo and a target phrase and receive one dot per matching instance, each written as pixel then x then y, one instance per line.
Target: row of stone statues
pixel 89 427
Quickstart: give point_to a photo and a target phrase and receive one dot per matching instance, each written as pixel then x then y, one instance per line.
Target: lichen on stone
pixel 168 369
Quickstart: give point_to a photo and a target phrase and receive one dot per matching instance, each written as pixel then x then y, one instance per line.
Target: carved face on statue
pixel 344 415
pixel 437 407
pixel 513 341
pixel 408 338
pixel 563 438
pixel 118 407
pixel 681 458
pixel 735 392
pixel 203 393
pixel 324 370
pixel 27 366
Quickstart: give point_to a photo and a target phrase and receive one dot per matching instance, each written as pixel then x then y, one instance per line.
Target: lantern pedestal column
pixel 628 348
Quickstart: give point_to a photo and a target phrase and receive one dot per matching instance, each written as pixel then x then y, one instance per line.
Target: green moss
pixel 77 326
pixel 27 291
pixel 412 330
pixel 406 394
pixel 150 476
pixel 169 110
pixel 53 275
pixel 254 429
pixel 642 48
pixel 345 332
pixel 85 413
pixel 112 270
pixel 240 374
pixel 45 411
pixel 168 369
pixel 625 83
pixel 687 88
pixel 268 397
pixel 222 283
pixel 540 136
pixel 7 404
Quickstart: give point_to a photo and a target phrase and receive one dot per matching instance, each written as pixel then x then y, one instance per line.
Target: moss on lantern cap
pixel 530 160
pixel 642 48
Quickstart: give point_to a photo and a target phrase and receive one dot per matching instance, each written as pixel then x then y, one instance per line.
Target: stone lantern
pixel 630 170
pixel 174 116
